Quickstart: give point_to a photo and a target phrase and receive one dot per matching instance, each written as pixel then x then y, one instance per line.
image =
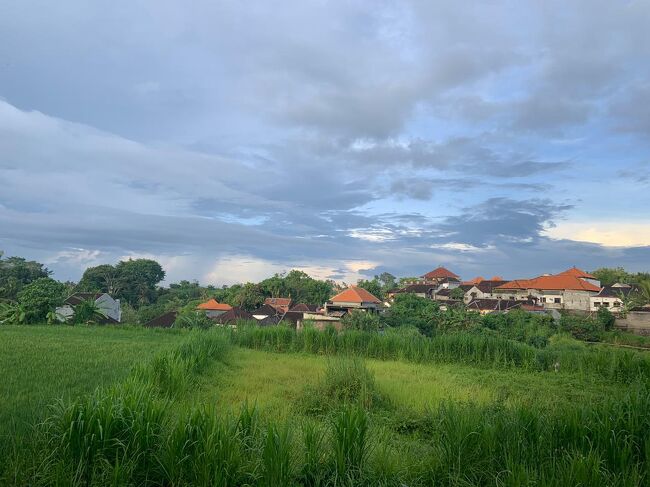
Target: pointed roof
pixel 234 314
pixel 213 305
pixel 355 294
pixel 439 273
pixel 476 280
pixel 574 271
pixel 558 282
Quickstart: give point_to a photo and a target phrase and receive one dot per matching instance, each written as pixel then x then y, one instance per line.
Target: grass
pixel 202 412
pixel 276 381
pixel 41 364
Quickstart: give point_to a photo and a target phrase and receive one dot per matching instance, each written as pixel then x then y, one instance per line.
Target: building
pixel 280 304
pixel 166 320
pixel 487 306
pixel 350 299
pixel 571 290
pixel 265 311
pixel 612 297
pixel 482 289
pixel 232 316
pixel 214 309
pixel 110 308
pixel 438 275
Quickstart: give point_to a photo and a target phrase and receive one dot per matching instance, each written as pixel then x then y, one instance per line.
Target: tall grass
pixel 465 348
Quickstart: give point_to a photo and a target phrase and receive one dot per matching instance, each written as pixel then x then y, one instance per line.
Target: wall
pixel 637 322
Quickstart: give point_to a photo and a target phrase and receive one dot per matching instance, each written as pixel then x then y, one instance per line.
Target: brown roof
pixel 495 304
pixel 558 282
pixel 213 305
pixel 488 286
pixel 265 309
pixel 305 308
pixel 163 321
pixel 574 271
pixel 439 273
pixel 235 314
pixel 355 294
pixel 278 301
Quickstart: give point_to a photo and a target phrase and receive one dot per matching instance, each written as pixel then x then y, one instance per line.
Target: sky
pixel 232 140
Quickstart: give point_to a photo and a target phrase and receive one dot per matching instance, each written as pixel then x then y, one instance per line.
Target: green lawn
pixel 41 364
pixel 276 381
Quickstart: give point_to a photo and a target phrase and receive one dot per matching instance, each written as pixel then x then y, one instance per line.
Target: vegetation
pixel 16 273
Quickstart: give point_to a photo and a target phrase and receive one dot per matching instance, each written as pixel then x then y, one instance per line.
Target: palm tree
pixel 644 293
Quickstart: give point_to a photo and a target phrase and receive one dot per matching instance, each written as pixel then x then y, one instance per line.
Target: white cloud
pixel 607 233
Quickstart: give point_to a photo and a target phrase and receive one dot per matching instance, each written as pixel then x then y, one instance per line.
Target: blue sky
pixel 234 140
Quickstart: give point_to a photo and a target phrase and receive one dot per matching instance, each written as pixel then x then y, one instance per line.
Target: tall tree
pixel 102 278
pixel 138 279
pixel 16 273
pixel 40 297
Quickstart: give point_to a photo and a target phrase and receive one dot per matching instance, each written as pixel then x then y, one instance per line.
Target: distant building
pixel 487 306
pixel 232 316
pixel 110 308
pixel 352 298
pixel 214 309
pixel 281 304
pixel 612 297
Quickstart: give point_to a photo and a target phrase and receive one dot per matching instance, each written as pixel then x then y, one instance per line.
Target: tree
pixel 16 273
pixel 611 275
pixel 457 293
pixel 373 287
pixel 606 318
pixel 87 312
pixel 360 320
pixel 102 278
pixel 40 297
pixel 410 310
pixel 643 296
pixel 387 280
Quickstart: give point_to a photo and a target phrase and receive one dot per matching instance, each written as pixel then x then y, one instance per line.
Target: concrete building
pixel 110 308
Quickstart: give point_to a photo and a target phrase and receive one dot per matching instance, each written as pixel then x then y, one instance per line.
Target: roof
pixel 439 273
pixel 564 281
pixel 417 288
pixel 355 294
pixel 213 305
pixel 278 301
pixel 163 321
pixel 265 309
pixel 77 298
pixel 476 280
pixel 616 291
pixel 495 304
pixel 488 286
pixel 293 316
pixel 234 314
pixel 574 271
pixel 302 307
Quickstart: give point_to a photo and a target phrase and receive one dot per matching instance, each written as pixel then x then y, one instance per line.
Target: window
pixel 606 304
pixel 558 300
pixel 597 304
pixel 617 304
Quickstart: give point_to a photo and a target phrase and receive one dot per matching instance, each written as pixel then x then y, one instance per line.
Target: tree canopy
pixel 16 273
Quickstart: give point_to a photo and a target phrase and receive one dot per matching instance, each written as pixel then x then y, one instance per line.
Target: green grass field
pixel 41 364
pixel 274 382
pixel 174 413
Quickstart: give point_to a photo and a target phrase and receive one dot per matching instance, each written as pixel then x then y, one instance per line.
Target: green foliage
pixel 611 275
pixel 12 314
pixel 298 286
pixel 606 318
pixel 347 380
pixel 457 293
pixel 133 281
pixel 372 286
pixel 40 297
pixel 456 318
pixel 533 329
pixel 410 310
pixel 582 327
pixel 191 318
pixel 16 273
pixel 87 312
pixel 361 320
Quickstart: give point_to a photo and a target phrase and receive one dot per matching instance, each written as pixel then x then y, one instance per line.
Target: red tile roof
pixel 355 294
pixel 476 280
pixel 213 305
pixel 439 273
pixel 558 282
pixel 574 271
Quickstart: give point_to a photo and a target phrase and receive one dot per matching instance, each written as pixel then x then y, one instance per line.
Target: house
pixel 612 297
pixel 420 290
pixel 265 311
pixel 352 298
pixel 108 307
pixel 439 274
pixel 214 309
pixel 165 320
pixel 481 289
pixel 305 308
pixel 232 316
pixel 486 306
pixel 569 290
pixel 281 304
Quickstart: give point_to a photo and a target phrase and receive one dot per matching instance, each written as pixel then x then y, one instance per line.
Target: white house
pixel 108 306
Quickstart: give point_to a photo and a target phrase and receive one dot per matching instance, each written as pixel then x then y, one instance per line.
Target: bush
pixel 582 327
pixel 193 319
pixel 40 297
pixel 606 318
pixel 360 320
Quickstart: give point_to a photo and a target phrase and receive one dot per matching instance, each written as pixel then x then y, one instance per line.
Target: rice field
pixel 270 408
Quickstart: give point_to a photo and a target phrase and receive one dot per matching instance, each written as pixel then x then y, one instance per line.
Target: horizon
pixel 230 142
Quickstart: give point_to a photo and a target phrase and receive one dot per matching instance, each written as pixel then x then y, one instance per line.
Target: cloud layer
pixel 231 140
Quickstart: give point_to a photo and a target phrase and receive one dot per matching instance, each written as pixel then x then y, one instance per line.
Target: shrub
pixel 193 319
pixel 606 318
pixel 40 297
pixel 582 327
pixel 360 320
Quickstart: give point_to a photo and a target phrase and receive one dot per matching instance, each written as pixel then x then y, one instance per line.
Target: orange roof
pixel 497 278
pixel 355 294
pixel 476 280
pixel 278 301
pixel 439 273
pixel 213 305
pixel 558 282
pixel 574 271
